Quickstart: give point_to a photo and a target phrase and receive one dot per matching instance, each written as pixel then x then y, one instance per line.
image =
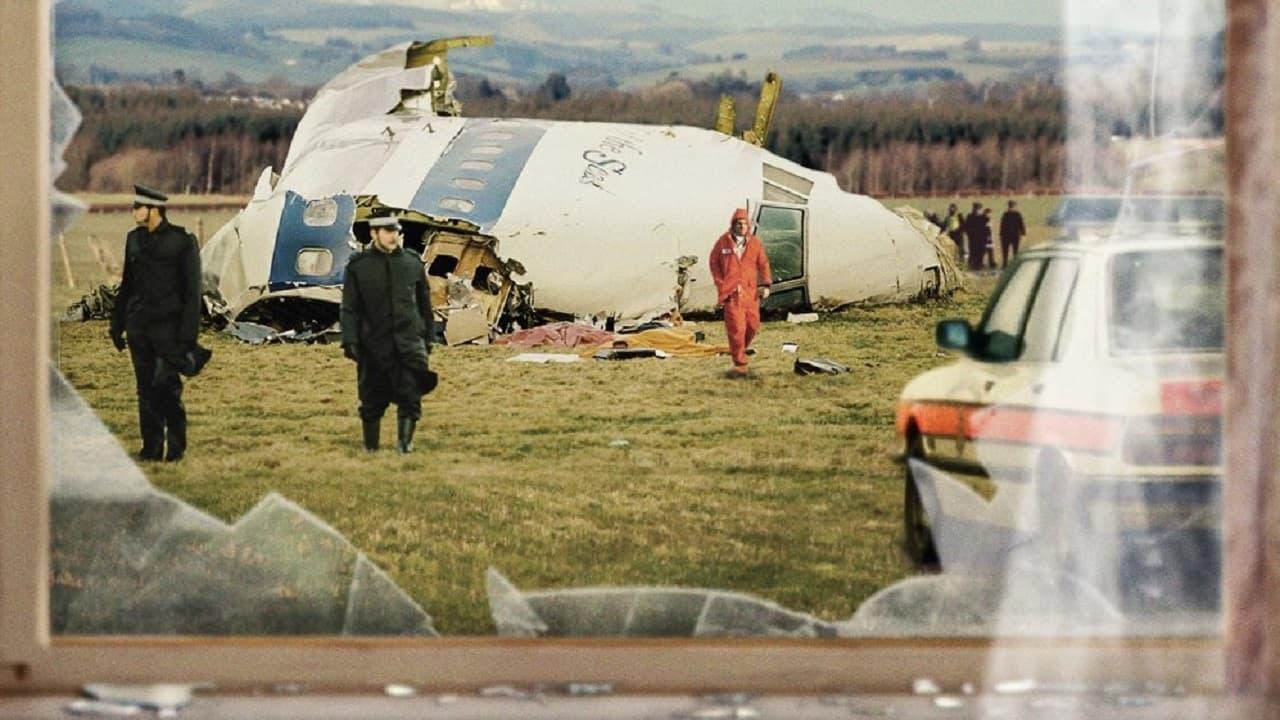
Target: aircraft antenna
pixel 436 54
pixel 769 92
pixel 726 115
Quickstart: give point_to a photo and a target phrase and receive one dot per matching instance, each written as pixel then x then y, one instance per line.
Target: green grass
pixel 779 485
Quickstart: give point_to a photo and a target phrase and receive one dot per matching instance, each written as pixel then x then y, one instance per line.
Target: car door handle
pixel 1037 388
pixel 986 386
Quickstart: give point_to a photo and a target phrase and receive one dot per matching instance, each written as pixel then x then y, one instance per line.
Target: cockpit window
pixel 782 232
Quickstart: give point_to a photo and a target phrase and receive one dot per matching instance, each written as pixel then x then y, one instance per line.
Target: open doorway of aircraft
pixel 563 218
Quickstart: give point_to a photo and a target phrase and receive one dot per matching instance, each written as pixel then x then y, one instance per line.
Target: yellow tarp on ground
pixel 673 341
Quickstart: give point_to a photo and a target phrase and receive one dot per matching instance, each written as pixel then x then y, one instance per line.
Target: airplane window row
pixel 458 204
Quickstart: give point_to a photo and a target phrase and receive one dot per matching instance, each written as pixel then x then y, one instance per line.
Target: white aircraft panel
pixel 404 170
pixel 603 211
pixel 369 88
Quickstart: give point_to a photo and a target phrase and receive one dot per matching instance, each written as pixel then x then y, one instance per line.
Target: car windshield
pixel 1167 300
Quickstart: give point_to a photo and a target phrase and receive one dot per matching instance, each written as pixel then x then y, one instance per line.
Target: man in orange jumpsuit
pixel 742 275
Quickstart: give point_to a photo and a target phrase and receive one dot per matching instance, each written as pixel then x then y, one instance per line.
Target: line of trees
pixel 178 138
pixel 957 138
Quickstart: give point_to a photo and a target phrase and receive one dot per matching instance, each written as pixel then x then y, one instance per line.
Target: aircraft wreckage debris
pixel 558 334
pixel 626 353
pixel 258 334
pixel 818 366
pixel 484 200
pixel 544 358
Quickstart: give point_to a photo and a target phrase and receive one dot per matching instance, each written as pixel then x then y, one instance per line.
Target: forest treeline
pixel 181 139
pixel 957 138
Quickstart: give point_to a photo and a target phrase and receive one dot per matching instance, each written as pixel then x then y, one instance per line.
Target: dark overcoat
pixel 386 306
pixel 159 297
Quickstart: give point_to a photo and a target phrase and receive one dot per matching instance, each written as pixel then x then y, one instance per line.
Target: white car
pixel 1087 405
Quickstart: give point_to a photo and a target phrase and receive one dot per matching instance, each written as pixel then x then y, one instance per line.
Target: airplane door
pixel 784 231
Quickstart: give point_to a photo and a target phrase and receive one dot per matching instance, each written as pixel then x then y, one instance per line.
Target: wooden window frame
pixel 1245 660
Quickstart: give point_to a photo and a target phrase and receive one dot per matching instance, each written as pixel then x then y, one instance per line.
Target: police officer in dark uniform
pixel 157 316
pixel 387 328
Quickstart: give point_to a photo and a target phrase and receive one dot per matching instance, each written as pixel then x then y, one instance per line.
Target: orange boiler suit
pixel 737 280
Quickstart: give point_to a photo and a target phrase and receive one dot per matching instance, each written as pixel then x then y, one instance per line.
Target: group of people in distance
pixel 973 236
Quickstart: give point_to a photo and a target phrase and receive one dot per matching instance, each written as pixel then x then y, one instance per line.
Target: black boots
pixel 151 450
pixel 176 432
pixel 371 434
pixel 404 434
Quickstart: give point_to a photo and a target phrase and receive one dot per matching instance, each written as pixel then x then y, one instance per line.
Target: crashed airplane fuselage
pixel 598 218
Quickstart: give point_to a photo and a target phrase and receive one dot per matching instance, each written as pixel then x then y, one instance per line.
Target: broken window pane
pixel 1013 489
pixel 321 213
pixel 641 612
pixel 128 559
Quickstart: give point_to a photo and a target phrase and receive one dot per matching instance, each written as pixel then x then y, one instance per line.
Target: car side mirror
pixel 954 335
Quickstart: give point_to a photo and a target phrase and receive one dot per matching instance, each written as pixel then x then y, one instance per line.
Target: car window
pixel 1167 300
pixel 1002 328
pixel 1044 324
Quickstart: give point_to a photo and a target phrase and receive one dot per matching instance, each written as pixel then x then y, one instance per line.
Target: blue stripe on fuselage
pixel 294 235
pixel 454 183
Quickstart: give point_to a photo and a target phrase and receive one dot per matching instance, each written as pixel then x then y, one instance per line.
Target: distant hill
pixel 305 42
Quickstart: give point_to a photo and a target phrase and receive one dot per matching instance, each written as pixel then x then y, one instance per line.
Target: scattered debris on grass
pixel 819 366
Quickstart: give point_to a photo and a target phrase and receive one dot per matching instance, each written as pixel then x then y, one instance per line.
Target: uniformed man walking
pixel 1012 230
pixel 157 316
pixel 387 328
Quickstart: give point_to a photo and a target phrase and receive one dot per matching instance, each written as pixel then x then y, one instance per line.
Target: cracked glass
pixel 1049 492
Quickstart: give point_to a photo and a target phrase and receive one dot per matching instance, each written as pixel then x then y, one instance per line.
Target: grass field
pixel 780 485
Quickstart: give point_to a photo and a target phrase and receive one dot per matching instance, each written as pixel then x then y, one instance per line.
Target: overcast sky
pixel 1141 15
pixel 1024 12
